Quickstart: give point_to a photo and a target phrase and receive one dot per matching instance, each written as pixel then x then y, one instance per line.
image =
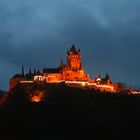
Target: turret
pixel 61 62
pixel 38 72
pixel 30 71
pixel 73 49
pixel 79 50
pixel 34 71
pixel 74 59
pixel 98 79
pixel 107 79
pixel 22 71
pixel 68 52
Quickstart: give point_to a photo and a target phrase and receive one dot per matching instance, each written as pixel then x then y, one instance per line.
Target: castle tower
pixel 30 71
pixel 74 59
pixel 107 79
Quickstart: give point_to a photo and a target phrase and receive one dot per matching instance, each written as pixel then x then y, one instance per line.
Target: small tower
pixel 74 58
pixel 107 79
pixel 22 70
pixel 34 71
pixel 98 79
pixel 61 63
pixel 38 72
pixel 30 71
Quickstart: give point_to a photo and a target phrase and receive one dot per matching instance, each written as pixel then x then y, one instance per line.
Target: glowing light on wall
pixel 37 97
pixel 22 82
pixel 38 78
pixel 91 84
pixel 135 92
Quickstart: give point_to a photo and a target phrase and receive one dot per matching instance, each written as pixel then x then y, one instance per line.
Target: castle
pixel 72 74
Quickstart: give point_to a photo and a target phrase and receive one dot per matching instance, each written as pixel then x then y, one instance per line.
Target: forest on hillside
pixel 69 113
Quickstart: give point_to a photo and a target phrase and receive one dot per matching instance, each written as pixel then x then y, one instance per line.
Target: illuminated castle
pixel 72 74
pixel 71 71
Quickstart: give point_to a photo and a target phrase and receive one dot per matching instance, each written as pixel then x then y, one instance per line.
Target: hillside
pixel 70 113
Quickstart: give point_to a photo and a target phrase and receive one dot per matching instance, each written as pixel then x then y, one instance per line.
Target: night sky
pixel 38 33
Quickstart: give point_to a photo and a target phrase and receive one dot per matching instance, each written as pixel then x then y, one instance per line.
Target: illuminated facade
pixel 71 73
pixel 73 70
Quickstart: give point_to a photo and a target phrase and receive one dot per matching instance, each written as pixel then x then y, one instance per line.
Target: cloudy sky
pixel 38 33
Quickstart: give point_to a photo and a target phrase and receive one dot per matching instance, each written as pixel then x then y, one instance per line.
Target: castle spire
pixel 61 62
pixel 38 72
pixel 22 70
pixel 34 71
pixel 73 46
pixel 30 71
pixel 107 77
pixel 79 50
pixel 68 52
pixel 73 49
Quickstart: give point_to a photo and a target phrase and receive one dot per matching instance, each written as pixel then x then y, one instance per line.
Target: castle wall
pixel 72 71
pixel 68 74
pixel 14 82
pixel 74 62
pixel 54 77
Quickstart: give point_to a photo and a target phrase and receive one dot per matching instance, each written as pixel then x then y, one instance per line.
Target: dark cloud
pixel 38 34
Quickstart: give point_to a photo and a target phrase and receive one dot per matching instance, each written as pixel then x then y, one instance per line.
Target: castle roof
pixel 73 50
pixel 51 70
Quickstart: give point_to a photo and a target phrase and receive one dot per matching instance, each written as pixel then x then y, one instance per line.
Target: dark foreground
pixel 72 116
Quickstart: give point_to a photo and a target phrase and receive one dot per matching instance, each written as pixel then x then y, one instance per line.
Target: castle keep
pixel 72 71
